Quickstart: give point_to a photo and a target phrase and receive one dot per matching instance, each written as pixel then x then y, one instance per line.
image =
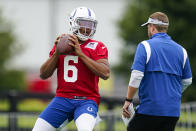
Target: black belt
pixel 79 97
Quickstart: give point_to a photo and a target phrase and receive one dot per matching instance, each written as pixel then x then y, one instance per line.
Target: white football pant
pixel 42 125
pixel 84 122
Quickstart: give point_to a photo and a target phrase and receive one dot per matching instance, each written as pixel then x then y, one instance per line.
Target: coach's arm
pixel 135 80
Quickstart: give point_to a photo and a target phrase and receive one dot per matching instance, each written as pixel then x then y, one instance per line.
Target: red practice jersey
pixel 74 77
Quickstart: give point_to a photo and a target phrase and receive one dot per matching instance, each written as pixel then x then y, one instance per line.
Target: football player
pixel 77 95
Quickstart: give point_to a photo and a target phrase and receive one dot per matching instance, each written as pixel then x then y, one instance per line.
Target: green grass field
pixel 27 121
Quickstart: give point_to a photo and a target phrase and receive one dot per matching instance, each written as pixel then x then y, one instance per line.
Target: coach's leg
pixel 168 124
pixel 42 125
pixel 141 122
pixel 85 122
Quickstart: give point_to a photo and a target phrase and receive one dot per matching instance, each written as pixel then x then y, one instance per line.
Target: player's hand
pixel 57 41
pixel 76 45
pixel 125 111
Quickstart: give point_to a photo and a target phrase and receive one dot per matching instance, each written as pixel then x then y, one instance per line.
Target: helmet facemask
pixel 84 28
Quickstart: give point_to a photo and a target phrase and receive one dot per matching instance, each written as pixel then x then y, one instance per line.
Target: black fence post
pixel 13 99
pixel 111 102
pixel 111 120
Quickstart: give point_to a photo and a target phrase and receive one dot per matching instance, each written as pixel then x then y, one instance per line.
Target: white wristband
pixel 185 83
pixel 135 79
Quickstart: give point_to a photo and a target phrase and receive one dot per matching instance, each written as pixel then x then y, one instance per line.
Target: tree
pixel 9 78
pixel 181 15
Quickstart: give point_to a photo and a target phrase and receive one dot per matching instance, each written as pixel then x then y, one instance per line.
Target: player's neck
pixel 81 42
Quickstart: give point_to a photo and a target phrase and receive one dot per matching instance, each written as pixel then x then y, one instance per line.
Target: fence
pixel 15 119
pixel 12 118
pixel 187 120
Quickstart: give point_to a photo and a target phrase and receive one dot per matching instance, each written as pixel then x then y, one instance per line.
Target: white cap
pixel 155 21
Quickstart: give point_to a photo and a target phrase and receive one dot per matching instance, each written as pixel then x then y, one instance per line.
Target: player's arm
pixel 48 68
pixel 99 67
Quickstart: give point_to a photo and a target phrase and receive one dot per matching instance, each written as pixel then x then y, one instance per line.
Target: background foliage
pixel 9 78
pixel 182 29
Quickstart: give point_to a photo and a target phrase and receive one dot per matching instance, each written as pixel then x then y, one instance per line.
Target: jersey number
pixel 72 68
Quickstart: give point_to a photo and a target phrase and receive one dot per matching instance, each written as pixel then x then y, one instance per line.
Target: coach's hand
pixel 125 112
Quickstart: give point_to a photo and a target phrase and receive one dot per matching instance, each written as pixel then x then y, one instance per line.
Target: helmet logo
pixel 89 12
pixel 74 13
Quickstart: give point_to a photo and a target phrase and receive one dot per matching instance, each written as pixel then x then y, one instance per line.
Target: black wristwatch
pixel 129 100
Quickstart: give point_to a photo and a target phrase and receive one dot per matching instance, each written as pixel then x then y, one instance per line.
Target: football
pixel 63 45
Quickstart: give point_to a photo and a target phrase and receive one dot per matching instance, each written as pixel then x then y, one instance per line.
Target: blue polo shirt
pixel 160 89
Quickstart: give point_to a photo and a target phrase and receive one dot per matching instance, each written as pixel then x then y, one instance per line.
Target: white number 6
pixel 72 68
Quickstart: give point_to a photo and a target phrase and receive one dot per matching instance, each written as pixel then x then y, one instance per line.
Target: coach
pixel 161 71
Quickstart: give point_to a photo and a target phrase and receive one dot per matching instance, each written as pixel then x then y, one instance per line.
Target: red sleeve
pixel 101 52
pixel 52 51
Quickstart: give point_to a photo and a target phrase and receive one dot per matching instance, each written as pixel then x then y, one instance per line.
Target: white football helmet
pixel 83 17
